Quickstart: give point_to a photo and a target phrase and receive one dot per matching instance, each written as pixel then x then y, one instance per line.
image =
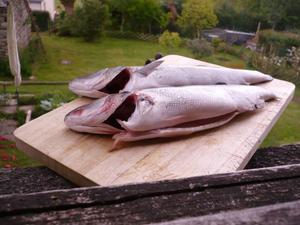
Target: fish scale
pixel 166 112
pixel 157 75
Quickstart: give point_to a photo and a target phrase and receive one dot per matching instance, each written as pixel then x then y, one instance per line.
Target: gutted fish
pixel 155 75
pixel 103 82
pixel 166 112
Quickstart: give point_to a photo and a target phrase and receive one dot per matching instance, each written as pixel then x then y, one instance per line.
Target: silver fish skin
pixel 156 75
pixel 90 118
pixel 175 76
pixel 94 85
pixel 166 112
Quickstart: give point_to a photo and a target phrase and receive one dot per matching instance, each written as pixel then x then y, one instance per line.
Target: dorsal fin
pixel 146 70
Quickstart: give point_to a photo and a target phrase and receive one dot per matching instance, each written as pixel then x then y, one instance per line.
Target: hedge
pixel 42 20
pixel 279 40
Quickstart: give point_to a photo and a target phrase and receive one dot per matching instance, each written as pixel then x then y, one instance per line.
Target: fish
pixel 156 75
pixel 103 82
pixel 167 111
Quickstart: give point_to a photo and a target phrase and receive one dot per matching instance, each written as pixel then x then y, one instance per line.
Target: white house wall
pixel 46 5
pixel 36 7
pixel 50 7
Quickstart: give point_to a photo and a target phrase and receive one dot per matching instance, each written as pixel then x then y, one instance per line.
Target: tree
pixel 172 8
pixel 69 6
pixel 274 11
pixel 148 13
pixel 123 8
pixel 90 19
pixel 245 14
pixel 169 40
pixel 197 15
pixel 138 15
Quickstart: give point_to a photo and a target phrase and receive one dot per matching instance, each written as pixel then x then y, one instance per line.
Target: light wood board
pixel 85 159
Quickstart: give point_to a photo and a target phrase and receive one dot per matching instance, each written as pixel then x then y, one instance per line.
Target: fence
pixel 133 35
pixel 4 84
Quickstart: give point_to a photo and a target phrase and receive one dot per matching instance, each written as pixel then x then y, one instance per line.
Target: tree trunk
pixel 69 6
pixel 173 10
pixel 122 24
pixel 198 34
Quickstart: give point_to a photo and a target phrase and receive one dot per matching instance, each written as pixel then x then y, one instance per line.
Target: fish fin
pixel 146 70
pixel 117 145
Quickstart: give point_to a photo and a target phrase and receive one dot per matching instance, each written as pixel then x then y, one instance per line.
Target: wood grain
pixel 85 159
pixel 157 202
pixel 279 214
pixel 37 179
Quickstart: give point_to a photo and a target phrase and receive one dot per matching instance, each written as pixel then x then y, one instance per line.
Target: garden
pixel 89 35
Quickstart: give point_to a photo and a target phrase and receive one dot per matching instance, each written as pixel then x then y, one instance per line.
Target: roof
pixel 239 32
pixel 35 1
pixel 3 3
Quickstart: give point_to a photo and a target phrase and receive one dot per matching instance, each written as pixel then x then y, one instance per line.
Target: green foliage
pixel 91 19
pixel 216 42
pixel 170 40
pixel 286 67
pixel 279 40
pixel 48 102
pixel 287 129
pixel 149 14
pixel 245 14
pixel 4 68
pixel 88 21
pixel 235 15
pixel 228 48
pixel 197 15
pixel 200 47
pixel 42 20
pixel 20 117
pixel 65 25
pixel 28 57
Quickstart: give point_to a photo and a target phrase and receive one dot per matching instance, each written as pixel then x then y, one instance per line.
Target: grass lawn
pixel 287 129
pixel 86 58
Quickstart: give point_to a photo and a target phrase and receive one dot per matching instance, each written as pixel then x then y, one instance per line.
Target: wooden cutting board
pixel 85 159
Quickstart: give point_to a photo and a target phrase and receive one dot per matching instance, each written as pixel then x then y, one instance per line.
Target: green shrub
pixel 28 56
pixel 25 67
pixel 88 21
pixel 285 68
pixel 216 42
pixel 27 100
pixel 42 20
pixel 20 117
pixel 200 47
pixel 91 19
pixel 4 68
pixel 279 40
pixel 65 25
pixel 169 39
pixel 48 102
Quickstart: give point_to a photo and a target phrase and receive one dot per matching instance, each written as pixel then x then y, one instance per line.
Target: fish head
pixel 144 109
pixel 102 83
pixel 98 116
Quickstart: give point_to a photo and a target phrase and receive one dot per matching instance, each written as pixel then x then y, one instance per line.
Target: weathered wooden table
pixel 266 192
